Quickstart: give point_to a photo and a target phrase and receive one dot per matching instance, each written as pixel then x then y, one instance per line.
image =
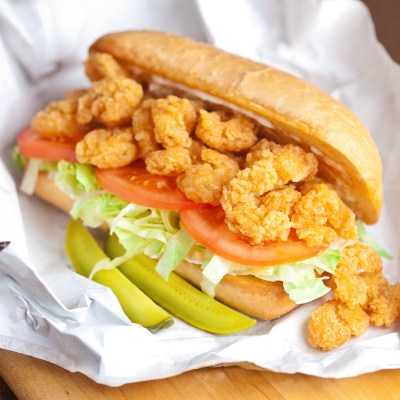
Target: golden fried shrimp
pixel 203 183
pixel 321 216
pixel 282 200
pixel 350 288
pixel 57 120
pixel 107 148
pixel 103 65
pixel 110 101
pixel 356 318
pixel 143 129
pixel 260 151
pixel 236 134
pixel 174 119
pixel 326 330
pixel 172 161
pixel 333 323
pixel 245 209
pixel 383 304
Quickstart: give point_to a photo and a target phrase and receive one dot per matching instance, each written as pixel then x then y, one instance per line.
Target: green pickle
pixel 178 296
pixel 84 253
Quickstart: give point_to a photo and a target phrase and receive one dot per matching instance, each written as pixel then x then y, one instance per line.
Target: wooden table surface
pixel 32 379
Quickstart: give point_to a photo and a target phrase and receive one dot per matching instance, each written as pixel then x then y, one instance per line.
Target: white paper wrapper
pixel 48 311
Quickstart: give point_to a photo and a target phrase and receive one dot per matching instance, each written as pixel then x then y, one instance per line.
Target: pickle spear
pixel 178 296
pixel 84 253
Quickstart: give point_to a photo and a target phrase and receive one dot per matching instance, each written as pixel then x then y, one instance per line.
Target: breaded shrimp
pixel 362 296
pixel 321 216
pixel 260 151
pixel 383 302
pixel 350 288
pixel 203 183
pixel 107 148
pixel 172 161
pixel 174 119
pixel 242 199
pixel 57 120
pixel 333 323
pixel 110 101
pixel 326 330
pixel 143 129
pixel 236 134
pixel 103 65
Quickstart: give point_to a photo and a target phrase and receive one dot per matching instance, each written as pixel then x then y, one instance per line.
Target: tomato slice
pixel 32 145
pixel 209 229
pixel 134 184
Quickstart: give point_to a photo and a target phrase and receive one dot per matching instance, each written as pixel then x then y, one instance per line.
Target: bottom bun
pixel 251 295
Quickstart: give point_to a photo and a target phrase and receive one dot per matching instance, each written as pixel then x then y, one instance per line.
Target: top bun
pixel 292 110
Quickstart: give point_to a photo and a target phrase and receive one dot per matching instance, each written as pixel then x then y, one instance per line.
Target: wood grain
pixel 33 379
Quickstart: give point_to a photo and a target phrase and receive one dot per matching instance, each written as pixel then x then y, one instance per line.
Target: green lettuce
pixel 301 280
pixel 366 237
pixel 156 233
pixel 75 179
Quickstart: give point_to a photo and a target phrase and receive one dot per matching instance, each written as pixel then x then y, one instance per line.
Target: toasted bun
pixel 258 298
pixel 294 110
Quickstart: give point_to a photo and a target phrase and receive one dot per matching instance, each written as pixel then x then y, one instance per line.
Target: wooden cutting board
pixel 33 379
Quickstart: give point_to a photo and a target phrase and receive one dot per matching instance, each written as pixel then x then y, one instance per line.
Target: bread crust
pixel 300 112
pixel 253 296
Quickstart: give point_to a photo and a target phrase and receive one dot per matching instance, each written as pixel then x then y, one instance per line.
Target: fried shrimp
pixel 321 216
pixel 57 120
pixel 246 198
pixel 107 148
pixel 143 129
pixel 172 161
pixel 333 323
pixel 110 101
pixel 361 296
pixel 174 119
pixel 226 135
pixel 203 183
pixel 383 299
pixel 350 288
pixel 103 65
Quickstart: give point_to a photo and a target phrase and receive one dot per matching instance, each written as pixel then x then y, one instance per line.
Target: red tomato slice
pixel 134 184
pixel 208 228
pixel 32 145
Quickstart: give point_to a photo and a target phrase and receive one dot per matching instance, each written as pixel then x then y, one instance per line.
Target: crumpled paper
pixel 48 311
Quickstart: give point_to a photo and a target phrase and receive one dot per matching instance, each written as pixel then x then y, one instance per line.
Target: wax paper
pixel 48 311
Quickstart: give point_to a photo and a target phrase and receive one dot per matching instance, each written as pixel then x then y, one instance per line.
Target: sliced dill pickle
pixel 84 253
pixel 178 296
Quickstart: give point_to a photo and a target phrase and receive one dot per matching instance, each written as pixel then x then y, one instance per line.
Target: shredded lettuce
pixel 299 279
pixel 366 237
pixel 176 250
pixel 75 179
pixel 139 229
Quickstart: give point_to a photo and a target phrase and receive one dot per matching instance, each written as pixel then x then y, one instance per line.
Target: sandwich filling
pixel 179 178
